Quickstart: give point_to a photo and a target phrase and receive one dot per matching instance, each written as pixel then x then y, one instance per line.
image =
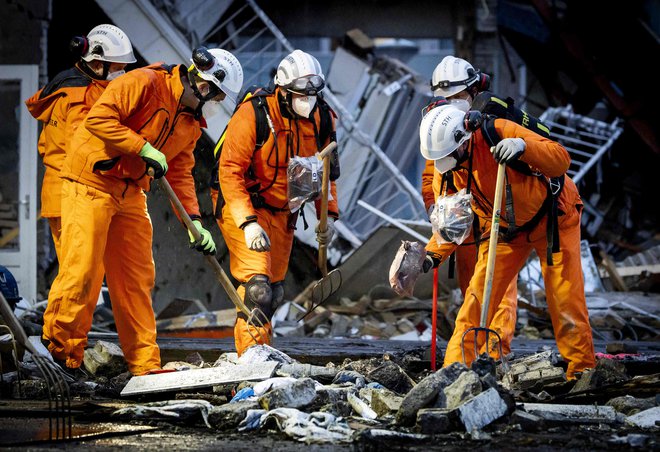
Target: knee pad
pixel 258 294
pixel 278 294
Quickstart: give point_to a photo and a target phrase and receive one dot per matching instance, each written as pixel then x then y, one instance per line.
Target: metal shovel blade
pixel 324 289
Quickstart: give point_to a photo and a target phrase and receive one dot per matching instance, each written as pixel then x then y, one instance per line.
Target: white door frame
pixel 23 261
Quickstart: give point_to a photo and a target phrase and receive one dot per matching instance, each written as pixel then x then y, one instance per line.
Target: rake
pixel 256 318
pixel 59 400
pixel 490 269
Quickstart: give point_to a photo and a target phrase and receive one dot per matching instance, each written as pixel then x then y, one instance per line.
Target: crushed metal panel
pixel 198 378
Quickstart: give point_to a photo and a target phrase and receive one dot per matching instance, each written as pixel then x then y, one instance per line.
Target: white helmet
pixel 452 75
pixel 442 131
pixel 221 68
pixel 108 43
pixel 300 72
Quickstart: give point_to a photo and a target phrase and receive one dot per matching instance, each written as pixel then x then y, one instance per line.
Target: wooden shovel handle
pixel 323 218
pixel 492 244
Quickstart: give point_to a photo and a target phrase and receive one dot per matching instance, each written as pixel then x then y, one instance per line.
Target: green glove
pixel 154 159
pixel 205 244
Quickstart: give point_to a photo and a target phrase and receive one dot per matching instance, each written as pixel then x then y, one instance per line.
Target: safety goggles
pixel 309 85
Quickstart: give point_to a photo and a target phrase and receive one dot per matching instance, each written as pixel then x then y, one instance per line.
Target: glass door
pixel 18 177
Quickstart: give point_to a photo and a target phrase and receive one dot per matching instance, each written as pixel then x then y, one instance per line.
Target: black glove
pixel 430 262
pixel 508 150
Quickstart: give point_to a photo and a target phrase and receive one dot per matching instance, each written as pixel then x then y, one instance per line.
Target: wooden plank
pixel 636 270
pixel 198 378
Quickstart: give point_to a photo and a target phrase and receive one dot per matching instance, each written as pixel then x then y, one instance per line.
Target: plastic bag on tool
pixel 406 267
pixel 305 177
pixel 452 217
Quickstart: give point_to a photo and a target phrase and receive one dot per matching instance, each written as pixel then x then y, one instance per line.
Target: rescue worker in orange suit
pixel 145 122
pixel 62 104
pixel 445 139
pixel 458 82
pixel 255 220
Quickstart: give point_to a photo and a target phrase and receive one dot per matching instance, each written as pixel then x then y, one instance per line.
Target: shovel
pixel 490 269
pixel 256 318
pixel 329 282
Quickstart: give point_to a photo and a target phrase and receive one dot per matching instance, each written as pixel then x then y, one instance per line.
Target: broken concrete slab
pixel 606 372
pixel 198 378
pixel 630 405
pixel 648 419
pixel 385 402
pixel 466 386
pixel 105 359
pixel 295 395
pixel 575 414
pixel 481 410
pixel 392 376
pixel 528 422
pixel 435 421
pixel 426 392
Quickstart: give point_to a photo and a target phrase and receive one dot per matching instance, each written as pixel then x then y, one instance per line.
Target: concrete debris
pixel 572 414
pixel 535 371
pixel 298 394
pixel 630 405
pixel 607 371
pixel 427 391
pixel 482 409
pixel 647 419
pixel 466 386
pixel 197 378
pixel 385 402
pixel 434 421
pixel 105 359
pixel 262 354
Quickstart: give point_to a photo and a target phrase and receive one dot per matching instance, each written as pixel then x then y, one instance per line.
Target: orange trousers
pixel 564 286
pixel 111 233
pixel 245 263
pixel 504 320
pixel 55 224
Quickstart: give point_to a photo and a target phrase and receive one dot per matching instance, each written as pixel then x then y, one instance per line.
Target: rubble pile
pixel 370 400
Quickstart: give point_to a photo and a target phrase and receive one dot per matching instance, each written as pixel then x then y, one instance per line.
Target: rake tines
pixel 59 402
pixel 258 321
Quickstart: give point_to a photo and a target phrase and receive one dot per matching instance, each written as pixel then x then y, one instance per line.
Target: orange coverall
pixel 504 322
pixel 564 282
pixel 61 105
pixel 243 168
pixel 105 222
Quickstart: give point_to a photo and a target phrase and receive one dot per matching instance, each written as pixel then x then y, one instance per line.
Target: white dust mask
pixel 303 105
pixel 210 108
pixel 114 75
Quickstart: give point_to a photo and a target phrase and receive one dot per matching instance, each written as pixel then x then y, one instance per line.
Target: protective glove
pixel 429 263
pixel 508 150
pixel 256 238
pixel 323 238
pixel 154 159
pixel 205 244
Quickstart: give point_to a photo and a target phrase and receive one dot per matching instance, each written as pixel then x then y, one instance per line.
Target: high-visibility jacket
pixel 143 105
pixel 61 106
pixel 243 169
